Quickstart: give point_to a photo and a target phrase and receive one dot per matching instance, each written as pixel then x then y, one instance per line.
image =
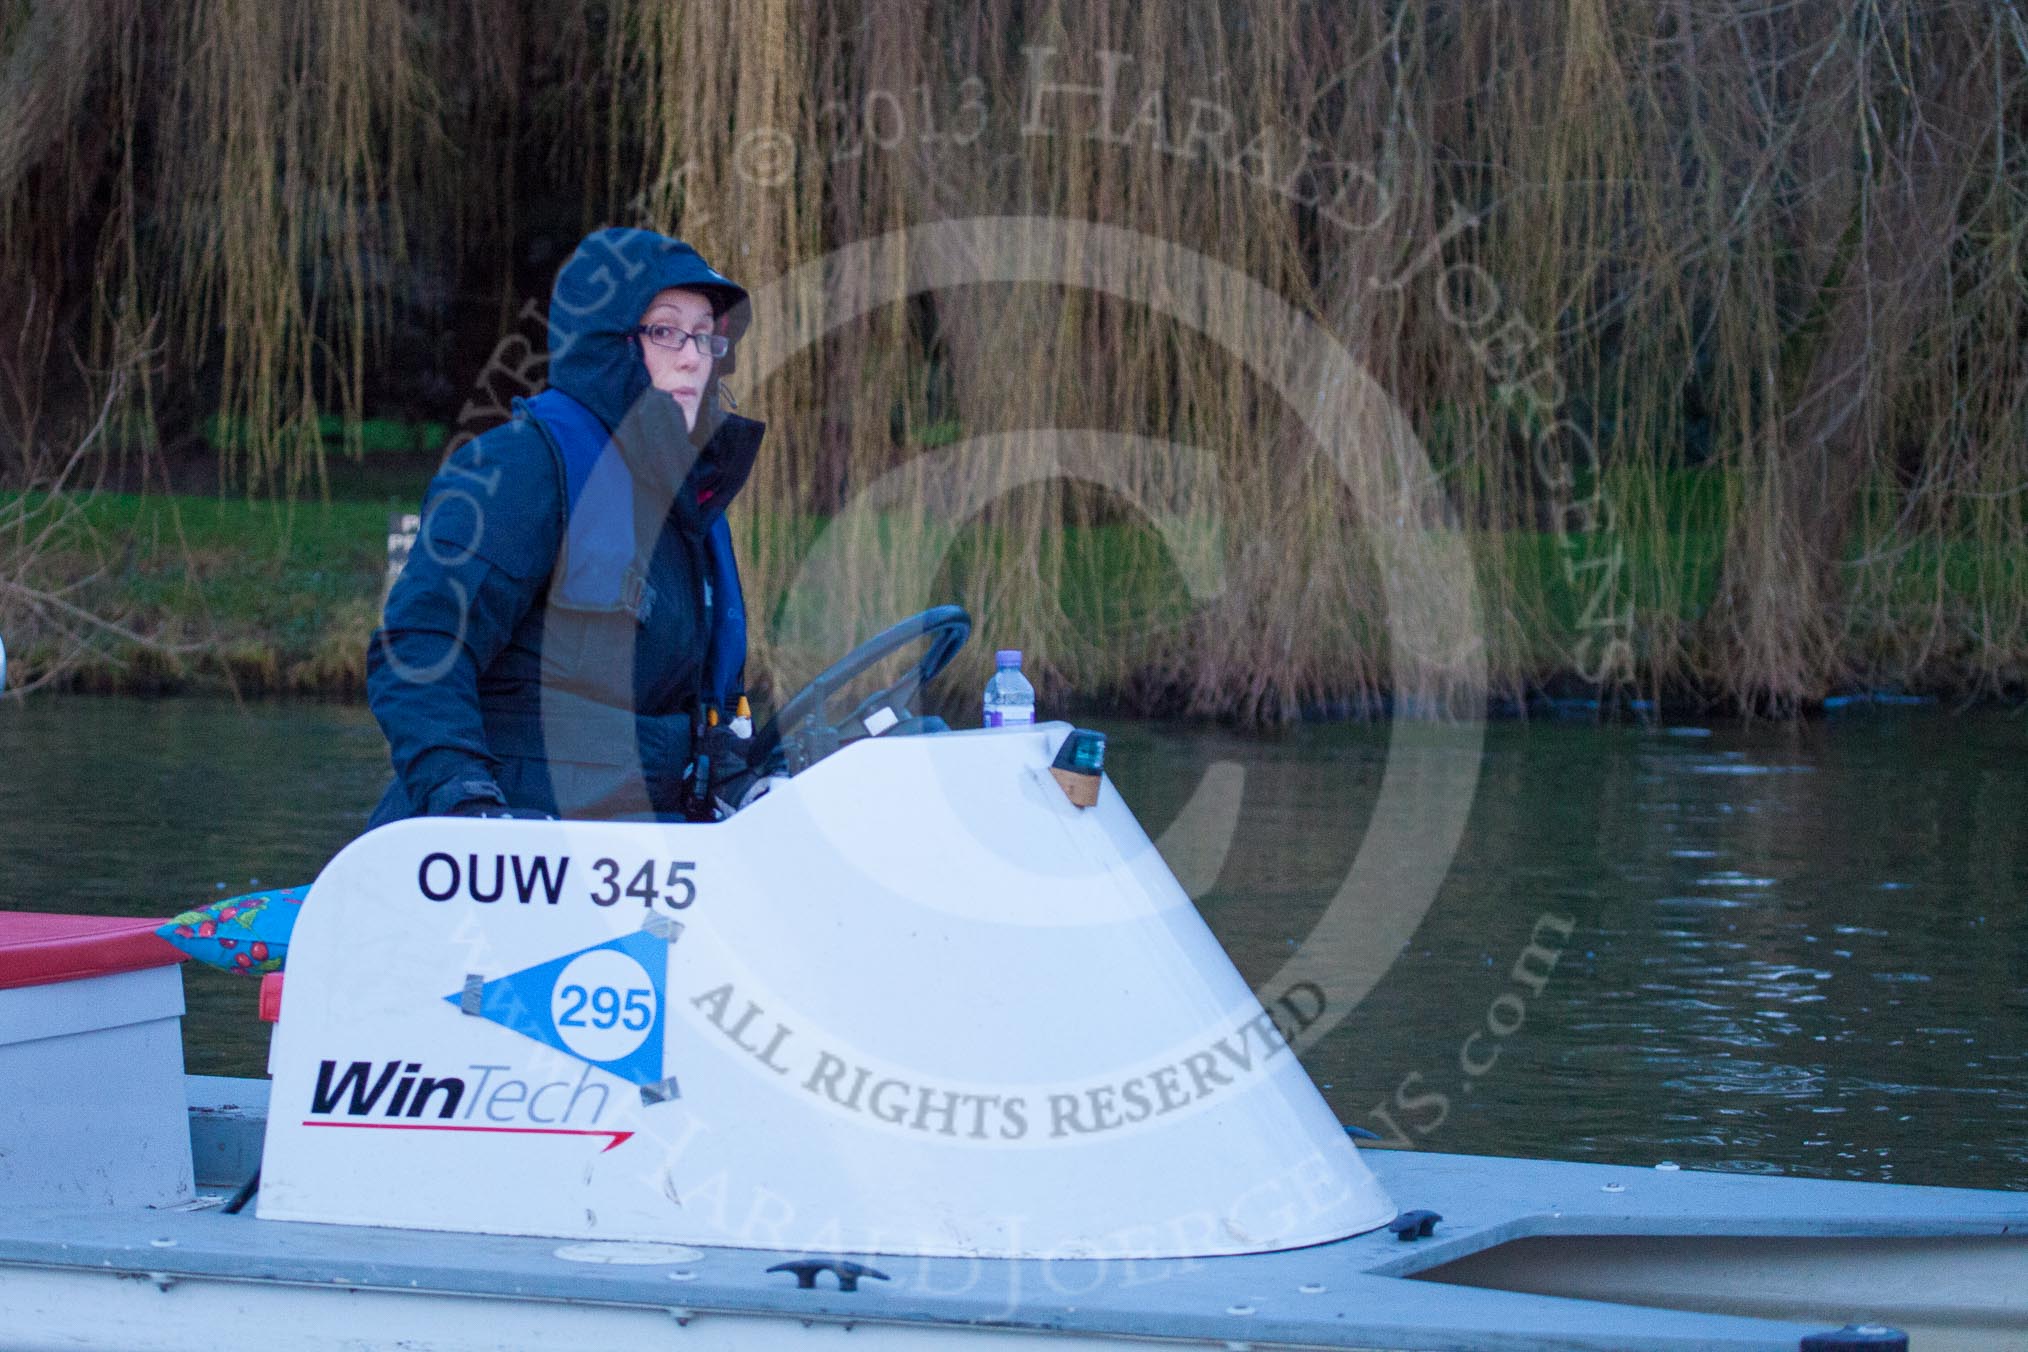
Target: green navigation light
pixel 1082 753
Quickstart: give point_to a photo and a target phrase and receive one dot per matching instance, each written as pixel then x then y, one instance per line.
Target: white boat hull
pixel 1730 1261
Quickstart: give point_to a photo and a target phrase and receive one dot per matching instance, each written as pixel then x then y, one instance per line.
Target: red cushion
pixel 38 949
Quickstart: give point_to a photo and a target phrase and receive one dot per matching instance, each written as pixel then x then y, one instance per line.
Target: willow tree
pixel 1710 321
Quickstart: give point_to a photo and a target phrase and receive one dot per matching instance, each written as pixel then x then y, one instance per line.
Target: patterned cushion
pixel 248 934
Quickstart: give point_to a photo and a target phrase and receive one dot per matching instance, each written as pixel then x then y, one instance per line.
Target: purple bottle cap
pixel 1007 657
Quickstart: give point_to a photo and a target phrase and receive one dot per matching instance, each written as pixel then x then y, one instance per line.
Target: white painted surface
pixel 1039 1047
pixel 1959 1293
pixel 55 1310
pixel 91 1092
pixel 59 1009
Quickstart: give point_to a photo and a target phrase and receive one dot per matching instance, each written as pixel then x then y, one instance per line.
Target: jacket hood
pixel 599 296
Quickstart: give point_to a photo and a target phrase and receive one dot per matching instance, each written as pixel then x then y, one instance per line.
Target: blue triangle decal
pixel 603 1004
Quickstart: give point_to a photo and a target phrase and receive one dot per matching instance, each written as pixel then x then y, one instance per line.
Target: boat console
pixel 913 1001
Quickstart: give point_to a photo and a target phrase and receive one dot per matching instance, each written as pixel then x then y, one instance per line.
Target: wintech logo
pixel 398 1095
pixel 327 1095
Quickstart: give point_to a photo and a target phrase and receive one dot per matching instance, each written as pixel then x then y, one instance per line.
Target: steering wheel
pixel 802 733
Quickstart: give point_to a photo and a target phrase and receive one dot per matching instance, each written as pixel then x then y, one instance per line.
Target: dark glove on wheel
pixel 480 807
pixel 723 756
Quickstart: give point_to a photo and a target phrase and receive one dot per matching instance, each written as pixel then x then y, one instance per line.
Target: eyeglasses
pixel 673 338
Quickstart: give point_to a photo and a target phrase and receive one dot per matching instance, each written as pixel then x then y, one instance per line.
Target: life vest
pixel 605 568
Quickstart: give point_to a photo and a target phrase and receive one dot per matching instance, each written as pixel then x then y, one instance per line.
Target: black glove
pixel 483 807
pixel 719 767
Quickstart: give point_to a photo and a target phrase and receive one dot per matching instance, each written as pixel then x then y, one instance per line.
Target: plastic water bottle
pixel 1010 700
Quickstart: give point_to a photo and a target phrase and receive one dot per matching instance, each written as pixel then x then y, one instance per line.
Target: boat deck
pixel 196 1277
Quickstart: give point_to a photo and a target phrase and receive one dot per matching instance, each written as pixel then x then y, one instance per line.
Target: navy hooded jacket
pixel 495 683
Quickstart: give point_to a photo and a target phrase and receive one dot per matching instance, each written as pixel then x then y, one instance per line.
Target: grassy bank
pixel 202 594
pixel 198 593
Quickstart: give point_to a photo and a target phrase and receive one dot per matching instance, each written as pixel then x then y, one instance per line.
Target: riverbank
pixel 201 594
pixel 198 594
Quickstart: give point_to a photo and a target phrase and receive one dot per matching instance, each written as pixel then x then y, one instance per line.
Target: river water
pixel 1770 948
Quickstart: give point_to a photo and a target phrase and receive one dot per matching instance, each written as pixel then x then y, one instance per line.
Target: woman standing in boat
pixel 568 634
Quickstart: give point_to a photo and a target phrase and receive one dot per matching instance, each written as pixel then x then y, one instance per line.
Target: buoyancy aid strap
pixel 726 661
pixel 602 566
